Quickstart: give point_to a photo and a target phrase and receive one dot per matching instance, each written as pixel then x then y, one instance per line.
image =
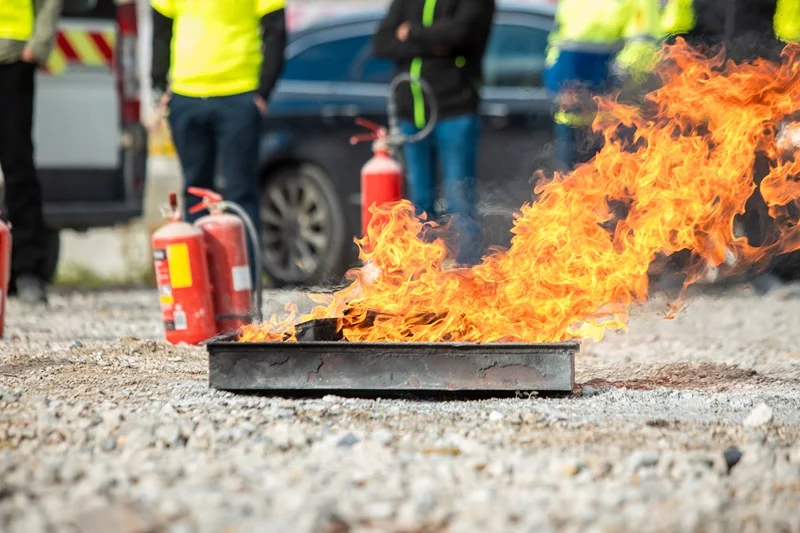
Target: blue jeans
pixel 227 127
pixel 574 146
pixel 454 143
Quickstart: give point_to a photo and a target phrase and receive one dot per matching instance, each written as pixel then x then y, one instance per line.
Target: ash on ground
pixel 689 424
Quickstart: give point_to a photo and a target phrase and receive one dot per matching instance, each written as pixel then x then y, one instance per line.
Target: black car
pixel 311 202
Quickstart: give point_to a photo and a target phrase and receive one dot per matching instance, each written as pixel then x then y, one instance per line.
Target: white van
pixel 90 146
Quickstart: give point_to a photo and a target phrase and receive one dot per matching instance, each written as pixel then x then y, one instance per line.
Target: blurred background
pixel 105 179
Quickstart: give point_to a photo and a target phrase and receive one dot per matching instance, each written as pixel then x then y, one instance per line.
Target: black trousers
pixel 224 127
pixel 23 192
pixel 760 228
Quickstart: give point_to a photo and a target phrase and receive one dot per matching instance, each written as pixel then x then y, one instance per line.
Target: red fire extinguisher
pixel 202 271
pixel 226 251
pixel 179 254
pixel 381 176
pixel 5 271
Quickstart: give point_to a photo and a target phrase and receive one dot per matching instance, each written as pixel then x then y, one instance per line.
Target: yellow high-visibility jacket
pixel 589 29
pixel 593 40
pixel 27 24
pixel 677 17
pixel 787 20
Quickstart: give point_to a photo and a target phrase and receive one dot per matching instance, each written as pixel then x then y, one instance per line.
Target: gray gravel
pixel 683 425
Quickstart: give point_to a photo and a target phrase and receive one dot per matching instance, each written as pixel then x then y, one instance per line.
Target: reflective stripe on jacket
pixel 445 46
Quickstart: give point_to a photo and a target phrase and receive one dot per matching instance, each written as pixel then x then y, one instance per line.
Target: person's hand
pixel 164 101
pixel 261 104
pixel 402 32
pixel 160 111
pixel 28 56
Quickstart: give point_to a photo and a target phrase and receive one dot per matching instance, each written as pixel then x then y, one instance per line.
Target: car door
pixel 516 118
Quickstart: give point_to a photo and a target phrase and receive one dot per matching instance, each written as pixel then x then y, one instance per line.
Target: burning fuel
pixel 580 253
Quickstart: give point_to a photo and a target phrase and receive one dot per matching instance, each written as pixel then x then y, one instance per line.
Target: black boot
pixel 31 290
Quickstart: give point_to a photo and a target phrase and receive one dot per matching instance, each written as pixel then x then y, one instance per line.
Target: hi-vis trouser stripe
pixel 80 47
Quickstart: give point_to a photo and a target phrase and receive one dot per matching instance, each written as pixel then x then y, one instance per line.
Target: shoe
pixel 31 290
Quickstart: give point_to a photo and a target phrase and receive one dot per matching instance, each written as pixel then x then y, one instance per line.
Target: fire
pixel 580 253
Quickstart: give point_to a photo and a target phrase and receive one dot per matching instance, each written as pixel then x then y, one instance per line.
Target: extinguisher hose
pixel 395 134
pixel 251 230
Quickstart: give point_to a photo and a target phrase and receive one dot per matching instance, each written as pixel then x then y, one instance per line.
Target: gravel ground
pixel 683 425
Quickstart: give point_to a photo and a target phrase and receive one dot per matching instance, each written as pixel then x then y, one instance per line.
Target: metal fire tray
pixel 312 365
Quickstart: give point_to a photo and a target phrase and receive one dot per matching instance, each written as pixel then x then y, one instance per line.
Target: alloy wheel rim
pixel 295 232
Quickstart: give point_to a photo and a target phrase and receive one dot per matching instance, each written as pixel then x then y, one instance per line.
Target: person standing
pixel 443 43
pixel 214 67
pixel 595 46
pixel 750 30
pixel 27 32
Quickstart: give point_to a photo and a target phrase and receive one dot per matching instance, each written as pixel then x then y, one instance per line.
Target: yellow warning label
pixel 167 300
pixel 180 271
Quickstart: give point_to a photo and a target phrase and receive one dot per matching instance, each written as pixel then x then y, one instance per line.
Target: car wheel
pixel 302 227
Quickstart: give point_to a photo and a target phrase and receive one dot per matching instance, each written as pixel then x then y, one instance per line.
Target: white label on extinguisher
pixel 241 278
pixel 179 318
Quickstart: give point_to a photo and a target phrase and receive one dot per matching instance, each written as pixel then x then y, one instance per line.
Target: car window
pixel 374 70
pixel 371 69
pixel 326 61
pixel 515 56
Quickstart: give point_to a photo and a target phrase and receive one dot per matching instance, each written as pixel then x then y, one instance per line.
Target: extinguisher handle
pixel 355 139
pixel 378 131
pixel 196 208
pixel 209 198
pixel 369 124
pixel 204 193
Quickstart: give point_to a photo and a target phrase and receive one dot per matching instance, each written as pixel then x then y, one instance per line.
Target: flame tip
pixel 672 174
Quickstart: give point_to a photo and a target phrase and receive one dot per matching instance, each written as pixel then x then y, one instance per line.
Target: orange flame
pixel 576 264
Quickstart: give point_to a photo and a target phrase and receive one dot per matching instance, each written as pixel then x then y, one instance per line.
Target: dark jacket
pixel 447 52
pixel 744 26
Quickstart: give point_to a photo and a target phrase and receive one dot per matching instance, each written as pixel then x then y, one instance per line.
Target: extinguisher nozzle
pixel 173 200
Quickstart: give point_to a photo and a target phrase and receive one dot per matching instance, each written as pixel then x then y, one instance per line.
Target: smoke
pixel 743 27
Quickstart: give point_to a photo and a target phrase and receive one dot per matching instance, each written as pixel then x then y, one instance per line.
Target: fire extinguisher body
pixel 179 255
pixel 381 182
pixel 5 271
pixel 229 272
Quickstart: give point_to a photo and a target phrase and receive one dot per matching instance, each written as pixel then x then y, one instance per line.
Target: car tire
pixel 302 227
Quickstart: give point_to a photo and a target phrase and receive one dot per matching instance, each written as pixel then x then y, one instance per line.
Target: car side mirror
pixel 77 7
